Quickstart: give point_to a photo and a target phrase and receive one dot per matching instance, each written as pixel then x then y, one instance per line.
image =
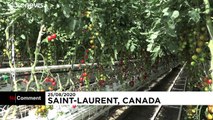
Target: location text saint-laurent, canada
pixel 104 100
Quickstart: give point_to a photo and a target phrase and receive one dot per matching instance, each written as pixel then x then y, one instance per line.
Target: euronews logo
pixel 27 5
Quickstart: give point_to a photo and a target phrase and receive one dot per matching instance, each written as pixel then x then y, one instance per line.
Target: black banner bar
pixel 22 98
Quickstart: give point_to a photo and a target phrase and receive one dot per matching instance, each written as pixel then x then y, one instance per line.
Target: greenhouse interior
pixel 114 46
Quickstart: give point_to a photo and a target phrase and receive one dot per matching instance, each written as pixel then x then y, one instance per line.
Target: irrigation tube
pixel 74 66
pixel 159 107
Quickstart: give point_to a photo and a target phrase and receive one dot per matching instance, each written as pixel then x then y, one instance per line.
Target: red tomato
pixel 51 80
pixel 54 83
pixel 84 74
pixel 86 50
pixel 53 36
pixel 81 79
pixel 47 79
pixel 209 81
pixel 82 61
pixel 49 38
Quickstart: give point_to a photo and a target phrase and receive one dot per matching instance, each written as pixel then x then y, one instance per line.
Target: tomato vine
pixel 106 32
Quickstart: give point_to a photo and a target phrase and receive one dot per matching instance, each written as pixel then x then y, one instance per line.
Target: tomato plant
pixel 92 32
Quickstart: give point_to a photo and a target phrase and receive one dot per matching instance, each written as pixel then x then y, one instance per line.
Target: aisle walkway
pixel 146 112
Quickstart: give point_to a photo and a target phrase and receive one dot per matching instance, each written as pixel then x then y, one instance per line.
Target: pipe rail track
pixel 54 67
pixel 178 84
pixel 171 82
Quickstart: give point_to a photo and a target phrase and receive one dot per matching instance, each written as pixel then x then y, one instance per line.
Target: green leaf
pixel 156 49
pixel 165 11
pixel 128 44
pixel 157 52
pixel 154 57
pixel 154 35
pixel 133 6
pixel 148 13
pixel 171 32
pixel 112 60
pixel 153 47
pixel 132 47
pixel 73 24
pixel 171 25
pixel 115 54
pixel 149 47
pixel 66 11
pixel 101 40
pixel 44 41
pixel 175 14
pixel 71 35
pixel 194 14
pixel 23 36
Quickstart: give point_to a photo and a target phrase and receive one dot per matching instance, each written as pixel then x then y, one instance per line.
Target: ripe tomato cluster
pixel 83 61
pixel 87 14
pixel 207 82
pixel 51 37
pixel 83 78
pixel 199 53
pixel 92 42
pixel 90 28
pixel 52 81
pixel 204 85
pixel 209 112
pixel 42 110
pixel 191 112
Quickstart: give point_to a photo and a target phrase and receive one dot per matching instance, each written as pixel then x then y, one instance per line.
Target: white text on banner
pixel 129 98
